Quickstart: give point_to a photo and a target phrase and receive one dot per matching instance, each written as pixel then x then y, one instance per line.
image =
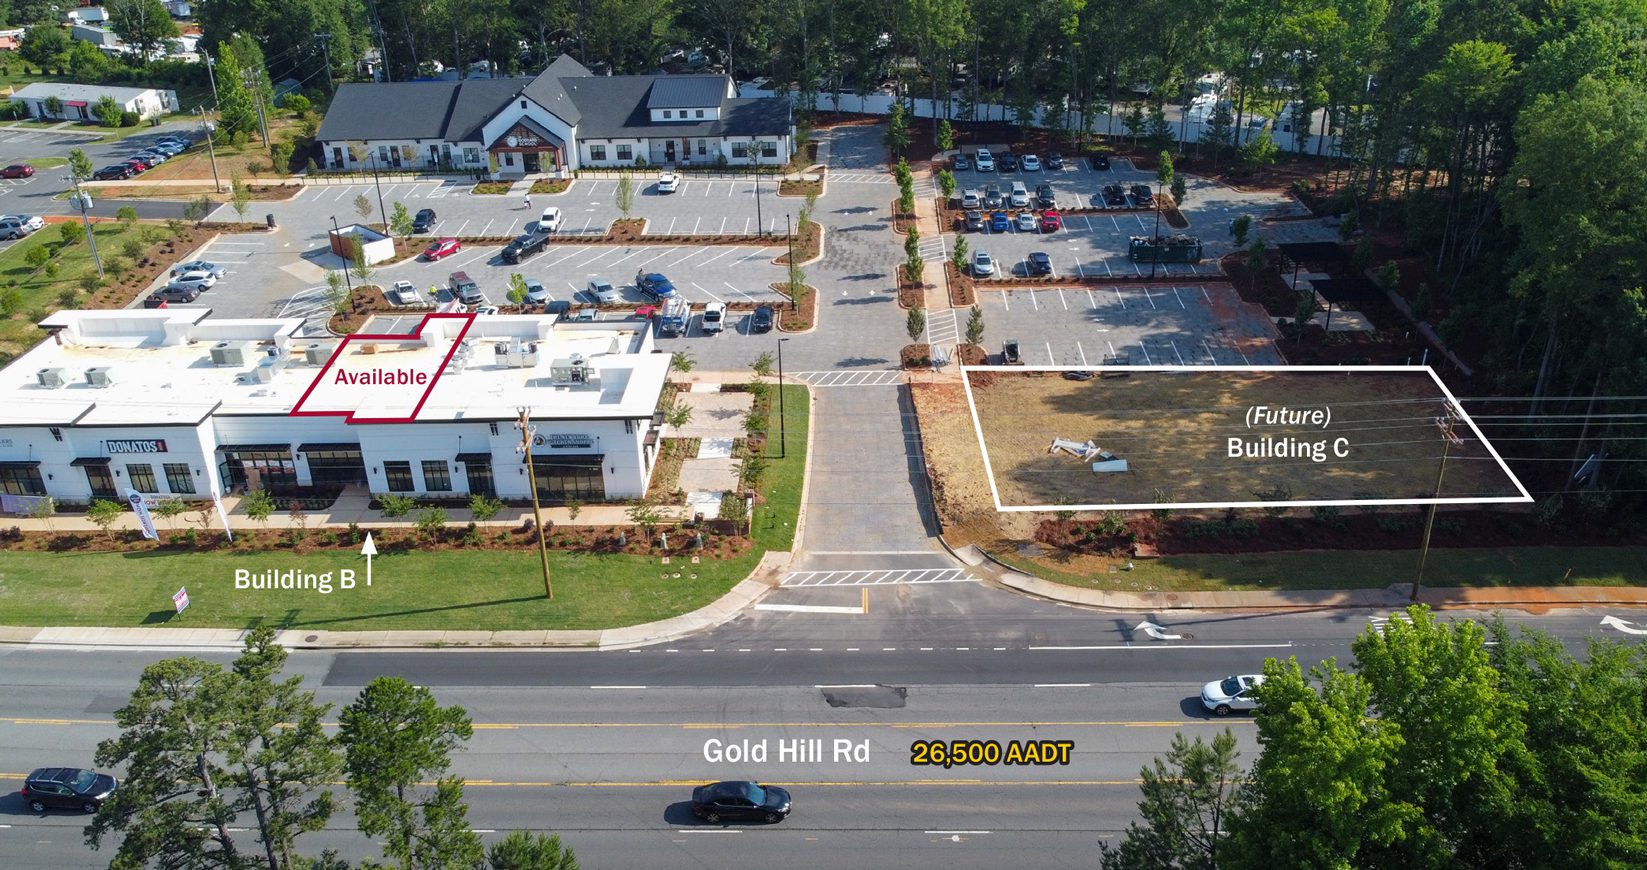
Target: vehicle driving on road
pixel 71 788
pixel 1231 693
pixel 725 801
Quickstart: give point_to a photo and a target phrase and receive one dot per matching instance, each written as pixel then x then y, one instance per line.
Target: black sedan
pixel 425 221
pixel 762 319
pixel 724 801
pixel 1008 161
pixel 1141 194
pixel 1115 196
pixel 1101 162
pixel 117 172
pixel 1039 263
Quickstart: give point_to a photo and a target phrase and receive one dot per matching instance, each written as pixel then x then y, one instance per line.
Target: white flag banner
pixel 143 516
pixel 222 514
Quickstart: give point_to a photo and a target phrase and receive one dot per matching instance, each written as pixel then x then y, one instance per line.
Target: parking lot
pixel 700 206
pixel 1166 324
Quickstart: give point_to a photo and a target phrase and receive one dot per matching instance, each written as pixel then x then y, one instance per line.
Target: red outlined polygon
pixel 349 413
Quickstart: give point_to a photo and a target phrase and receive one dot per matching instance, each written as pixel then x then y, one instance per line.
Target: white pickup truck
pixel 713 319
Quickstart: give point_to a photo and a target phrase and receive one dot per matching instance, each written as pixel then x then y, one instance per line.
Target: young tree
pixel 521 850
pixel 259 506
pixel 1164 169
pixel 43 510
pixel 240 195
pixel 108 111
pixel 912 243
pixel 1239 228
pixel 237 114
pixel 400 220
pixel 915 324
pixel 975 326
pixel 624 196
pixel 358 264
pixel 946 136
pixel 762 365
pixel 1260 151
pixel 1179 190
pixel 170 509
pixel 103 513
pixel 681 361
pixel 483 507
pixel 957 257
pixel 946 183
pixel 897 128
pixel 80 165
pixel 128 216
pixel 71 233
pixel 53 106
pixel 395 736
pixel 517 289
pixel 1257 261
pixel 337 293
pixel 797 284
pixel 363 206
pixel 1187 798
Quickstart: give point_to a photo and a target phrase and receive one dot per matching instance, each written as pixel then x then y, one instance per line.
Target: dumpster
pixel 1164 249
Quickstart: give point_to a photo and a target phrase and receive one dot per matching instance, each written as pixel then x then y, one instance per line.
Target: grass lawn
pixel 457 589
pixel 1514 566
pixel 42 295
pixel 774 526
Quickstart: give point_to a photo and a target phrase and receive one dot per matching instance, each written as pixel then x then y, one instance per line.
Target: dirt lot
pixel 1173 429
pixel 956 467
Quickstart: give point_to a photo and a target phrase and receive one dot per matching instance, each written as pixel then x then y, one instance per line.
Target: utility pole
pixel 326 50
pixel 527 432
pixel 379 185
pixel 1445 423
pixel 211 150
pixel 346 282
pixel 80 202
pixel 252 82
pixel 211 62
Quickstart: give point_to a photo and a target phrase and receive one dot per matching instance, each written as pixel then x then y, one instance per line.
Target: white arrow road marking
pixel 1622 625
pixel 1155 631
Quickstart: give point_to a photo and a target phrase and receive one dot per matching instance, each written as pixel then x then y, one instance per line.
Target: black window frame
pixel 22 480
pixel 140 473
pixel 437 475
pixel 396 473
pixel 175 472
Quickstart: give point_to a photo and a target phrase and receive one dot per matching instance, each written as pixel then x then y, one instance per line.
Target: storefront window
pixel 141 477
pixel 178 479
pixel 597 152
pixel 437 477
pixel 626 152
pixel 399 476
pixel 21 479
pixel 561 478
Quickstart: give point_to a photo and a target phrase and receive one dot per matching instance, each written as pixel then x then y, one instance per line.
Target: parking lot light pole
pixel 783 430
pixel 379 185
pixel 1155 247
pixel 346 282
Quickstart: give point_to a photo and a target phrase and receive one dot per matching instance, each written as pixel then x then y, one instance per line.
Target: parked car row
pixel 16 226
pixel 1026 221
pixel 187 281
pixel 985 161
pixel 162 150
pixel 1037 263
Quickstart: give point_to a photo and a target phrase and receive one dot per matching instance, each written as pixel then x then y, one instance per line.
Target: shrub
pixel 129 119
pixel 431 522
pixel 394 505
pixel 1112 523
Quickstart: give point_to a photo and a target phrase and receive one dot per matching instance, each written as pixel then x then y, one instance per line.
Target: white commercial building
pixel 79 102
pixel 172 402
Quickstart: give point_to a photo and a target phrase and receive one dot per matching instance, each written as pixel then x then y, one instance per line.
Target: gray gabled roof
pixel 686 92
pixel 388 110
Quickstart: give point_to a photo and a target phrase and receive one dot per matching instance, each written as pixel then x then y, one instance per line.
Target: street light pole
pixel 527 431
pixel 379 185
pixel 346 282
pixel 1155 246
pixel 783 429
pixel 789 230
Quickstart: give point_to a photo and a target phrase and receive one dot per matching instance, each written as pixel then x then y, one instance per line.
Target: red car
pixel 137 164
pixel 442 248
pixel 17 170
pixel 1050 220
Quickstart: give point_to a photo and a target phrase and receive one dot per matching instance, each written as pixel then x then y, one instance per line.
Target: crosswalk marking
pixel 860 178
pixel 877 577
pixel 851 378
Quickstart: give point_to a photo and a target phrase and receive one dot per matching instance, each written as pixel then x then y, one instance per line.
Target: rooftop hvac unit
pixel 100 376
pixel 516 354
pixel 318 354
pixel 51 379
pixel 232 353
pixel 573 370
pixel 266 369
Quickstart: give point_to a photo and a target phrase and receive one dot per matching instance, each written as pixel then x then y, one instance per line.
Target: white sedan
pixel 667 182
pixel 210 268
pixel 1026 221
pixel 196 281
pixel 983 263
pixel 1231 693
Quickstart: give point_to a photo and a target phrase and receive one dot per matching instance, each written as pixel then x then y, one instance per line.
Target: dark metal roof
pixel 89 460
pixel 686 92
pixel 1314 252
pixel 337 447
pixel 253 448
pixel 1341 290
pixel 474 458
pixel 22 463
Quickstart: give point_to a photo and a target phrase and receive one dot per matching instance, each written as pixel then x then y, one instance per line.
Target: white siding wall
pixel 638 148
pixel 185 444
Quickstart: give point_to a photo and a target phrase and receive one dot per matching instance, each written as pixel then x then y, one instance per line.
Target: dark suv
pixel 524 246
pixel 67 788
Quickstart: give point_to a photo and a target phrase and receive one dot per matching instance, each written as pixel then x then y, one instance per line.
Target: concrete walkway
pixel 1529 598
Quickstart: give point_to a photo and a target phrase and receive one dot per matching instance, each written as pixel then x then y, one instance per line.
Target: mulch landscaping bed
pixel 798 317
pixel 492 188
pixel 962 293
pixel 1174 217
pixel 234 226
pixel 1349 529
pixel 582 539
pixel 911 294
pixel 551 185
pixel 794 187
pixel 916 356
pixel 1270 290
pixel 666 474
pixel 972 354
pixel 808 244
pixel 1074 281
pixel 117 292
pixel 631 231
pixel 901 220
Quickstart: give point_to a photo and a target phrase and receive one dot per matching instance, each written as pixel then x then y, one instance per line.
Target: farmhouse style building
pixel 564 118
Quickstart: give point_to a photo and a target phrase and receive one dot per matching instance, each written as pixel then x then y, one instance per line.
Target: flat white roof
pixel 70 91
pixel 161 370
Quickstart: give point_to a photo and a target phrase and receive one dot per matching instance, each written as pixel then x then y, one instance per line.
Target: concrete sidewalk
pixel 1529 598
pixel 763 579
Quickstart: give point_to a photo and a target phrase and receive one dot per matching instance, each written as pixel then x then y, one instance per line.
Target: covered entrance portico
pixel 526 148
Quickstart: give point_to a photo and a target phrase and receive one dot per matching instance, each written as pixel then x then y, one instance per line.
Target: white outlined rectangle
pixel 1452 401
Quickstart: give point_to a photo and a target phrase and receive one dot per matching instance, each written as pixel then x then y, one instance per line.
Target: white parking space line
pixel 1062 299
pixel 707 291
pixel 1179 298
pixel 1091 300
pixel 1151 297
pixel 695 225
pixel 460 228
pixel 722 230
pixel 671 230
pixel 716 257
pixel 486 230
pixel 1210 356
pixel 1205 294
pixel 664 253
pixel 1146 354
pixel 1119 298
pixel 1051 360
pixel 1111 347
pixel 746 223
pixel 1082 351
pixel 1175 351
pixel 739 292
pixel 1005 296
pixel 685 258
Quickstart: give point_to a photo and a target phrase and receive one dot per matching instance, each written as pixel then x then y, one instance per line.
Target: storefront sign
pixel 151 445
pixel 571 442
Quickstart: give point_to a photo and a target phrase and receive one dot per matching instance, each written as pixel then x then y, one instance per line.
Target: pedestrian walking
pixel 528 202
